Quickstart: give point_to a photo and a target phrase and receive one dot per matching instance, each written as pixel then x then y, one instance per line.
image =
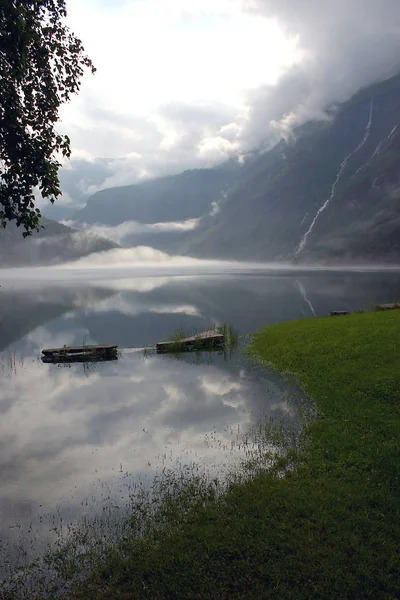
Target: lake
pixel 72 436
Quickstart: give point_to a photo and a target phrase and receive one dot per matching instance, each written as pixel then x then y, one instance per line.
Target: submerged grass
pixel 322 522
pixel 230 334
pixel 99 544
pixel 231 340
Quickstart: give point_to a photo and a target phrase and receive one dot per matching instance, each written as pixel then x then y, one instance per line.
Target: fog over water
pixel 146 261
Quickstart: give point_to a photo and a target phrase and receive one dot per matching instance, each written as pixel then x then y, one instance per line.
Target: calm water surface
pixel 69 434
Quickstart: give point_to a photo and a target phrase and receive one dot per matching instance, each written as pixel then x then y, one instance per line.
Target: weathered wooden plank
pixel 107 348
pixel 78 358
pixel 201 341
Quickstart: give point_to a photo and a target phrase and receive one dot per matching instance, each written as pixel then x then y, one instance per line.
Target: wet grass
pixel 100 544
pixel 309 516
pixel 229 346
pixel 348 487
pixel 230 334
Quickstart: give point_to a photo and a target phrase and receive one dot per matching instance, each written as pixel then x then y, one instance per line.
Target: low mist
pixel 121 264
pixel 119 233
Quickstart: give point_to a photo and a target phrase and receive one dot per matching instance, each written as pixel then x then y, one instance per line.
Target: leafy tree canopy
pixel 41 65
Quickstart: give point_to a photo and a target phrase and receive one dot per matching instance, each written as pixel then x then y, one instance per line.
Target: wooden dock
pixel 208 340
pixel 388 306
pixel 78 358
pixel 377 307
pixel 80 353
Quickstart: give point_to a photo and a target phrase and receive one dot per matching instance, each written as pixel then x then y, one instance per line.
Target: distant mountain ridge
pixel 53 244
pixel 187 195
pixel 329 195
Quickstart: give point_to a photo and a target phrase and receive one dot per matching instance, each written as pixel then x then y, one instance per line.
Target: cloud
pixel 175 137
pixel 118 233
pixel 344 45
pixel 167 94
pixel 188 85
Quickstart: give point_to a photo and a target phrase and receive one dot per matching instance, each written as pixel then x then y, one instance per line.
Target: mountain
pixel 53 244
pixel 188 195
pixel 76 178
pixel 330 195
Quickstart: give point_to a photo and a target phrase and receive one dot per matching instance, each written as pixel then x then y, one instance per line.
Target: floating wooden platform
pixel 80 353
pixel 208 340
pixel 78 358
pixel 80 349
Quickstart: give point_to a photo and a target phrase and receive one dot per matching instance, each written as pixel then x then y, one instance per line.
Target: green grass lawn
pixel 331 527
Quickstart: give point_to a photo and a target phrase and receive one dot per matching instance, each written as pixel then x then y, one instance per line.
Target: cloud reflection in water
pixel 67 427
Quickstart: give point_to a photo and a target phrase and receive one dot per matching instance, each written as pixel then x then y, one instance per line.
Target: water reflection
pixel 65 427
pixel 138 312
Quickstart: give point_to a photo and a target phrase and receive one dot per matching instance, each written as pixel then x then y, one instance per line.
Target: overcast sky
pixel 189 83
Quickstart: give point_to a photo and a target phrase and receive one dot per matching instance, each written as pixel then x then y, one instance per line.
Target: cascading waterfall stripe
pixel 378 149
pixel 366 135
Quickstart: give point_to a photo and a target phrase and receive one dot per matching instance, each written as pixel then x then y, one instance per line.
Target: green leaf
pixel 33 86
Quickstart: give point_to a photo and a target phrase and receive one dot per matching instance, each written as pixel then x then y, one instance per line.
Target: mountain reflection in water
pixel 67 430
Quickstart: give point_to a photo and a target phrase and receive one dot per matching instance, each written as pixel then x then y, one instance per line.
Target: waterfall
pixel 367 132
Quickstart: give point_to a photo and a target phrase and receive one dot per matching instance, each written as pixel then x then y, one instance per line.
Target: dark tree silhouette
pixel 41 65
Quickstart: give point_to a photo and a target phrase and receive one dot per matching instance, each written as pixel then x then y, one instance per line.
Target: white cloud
pixel 160 51
pixel 344 46
pixel 169 89
pixel 189 84
pixel 118 233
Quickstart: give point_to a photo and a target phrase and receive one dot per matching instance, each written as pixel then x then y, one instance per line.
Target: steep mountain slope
pixel 331 195
pixel 52 245
pixel 175 198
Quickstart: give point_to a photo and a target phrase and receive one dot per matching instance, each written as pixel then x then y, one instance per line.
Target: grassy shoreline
pixel 350 366
pixel 329 529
